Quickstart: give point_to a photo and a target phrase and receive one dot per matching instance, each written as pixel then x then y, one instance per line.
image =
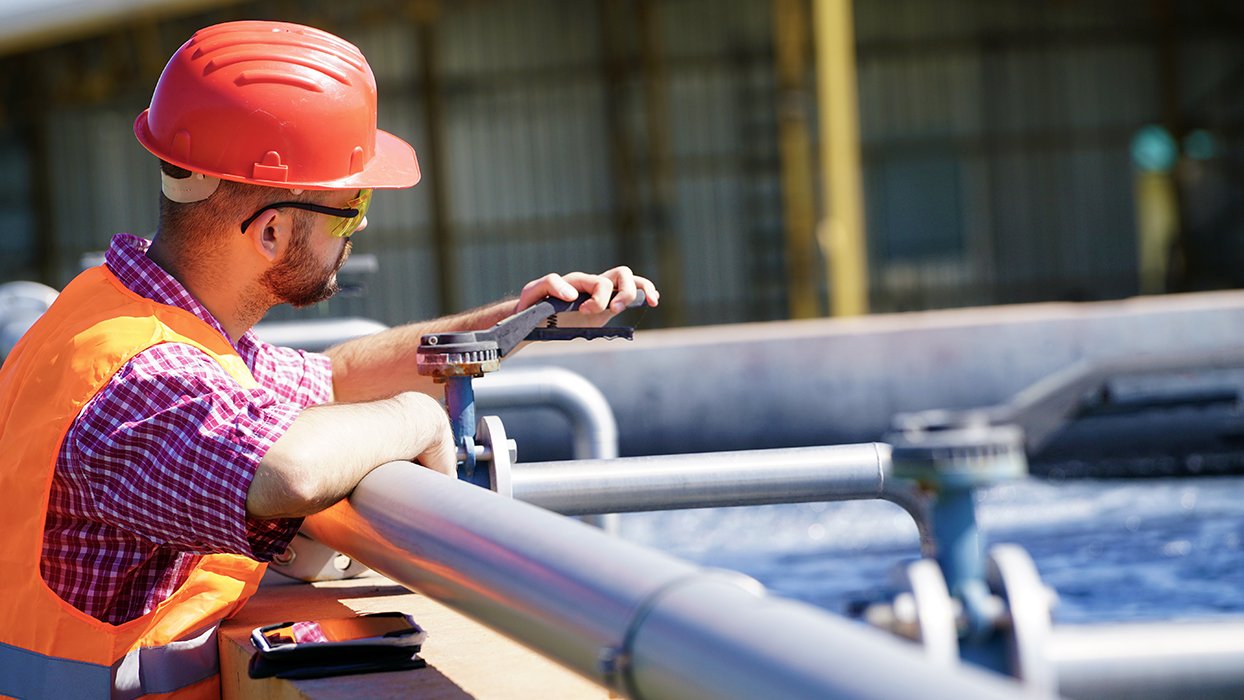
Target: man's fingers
pixel 599 286
pixel 550 285
pixel 433 444
pixel 651 296
pixel 601 289
pixel 442 456
pixel 624 282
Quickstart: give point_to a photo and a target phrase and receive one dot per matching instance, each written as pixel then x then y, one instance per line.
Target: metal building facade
pixel 996 139
pixel 563 134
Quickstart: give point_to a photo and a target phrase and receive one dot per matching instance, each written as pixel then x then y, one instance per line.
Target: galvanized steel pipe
pixel 591 418
pixel 1150 660
pixel 713 479
pixel 316 335
pixel 636 620
pixel 592 423
pixel 21 304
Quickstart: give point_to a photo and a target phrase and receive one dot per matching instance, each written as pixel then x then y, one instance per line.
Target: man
pixel 154 451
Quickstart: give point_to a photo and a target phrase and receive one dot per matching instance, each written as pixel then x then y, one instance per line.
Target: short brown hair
pixel 191 227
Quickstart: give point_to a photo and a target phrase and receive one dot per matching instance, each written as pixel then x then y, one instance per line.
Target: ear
pixel 270 234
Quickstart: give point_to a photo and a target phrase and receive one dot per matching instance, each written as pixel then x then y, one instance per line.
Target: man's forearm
pixel 383 364
pixel 329 448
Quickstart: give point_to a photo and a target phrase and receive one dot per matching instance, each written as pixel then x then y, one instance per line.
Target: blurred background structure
pixel 1009 150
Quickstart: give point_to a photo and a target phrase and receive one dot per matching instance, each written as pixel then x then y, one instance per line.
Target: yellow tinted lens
pixel 345 227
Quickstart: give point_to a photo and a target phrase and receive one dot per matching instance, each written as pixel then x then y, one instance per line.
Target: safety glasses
pixel 351 216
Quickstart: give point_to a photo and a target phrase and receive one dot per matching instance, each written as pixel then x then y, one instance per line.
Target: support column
pixel 842 230
pixel 790 48
pixel 426 14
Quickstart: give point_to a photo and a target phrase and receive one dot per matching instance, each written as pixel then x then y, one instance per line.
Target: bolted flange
pixel 444 355
pixel 960 457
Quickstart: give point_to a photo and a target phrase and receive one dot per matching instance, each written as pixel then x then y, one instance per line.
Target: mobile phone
pixel 389 632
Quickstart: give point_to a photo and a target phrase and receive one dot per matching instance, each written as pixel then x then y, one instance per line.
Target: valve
pixel 986 607
pixel 454 359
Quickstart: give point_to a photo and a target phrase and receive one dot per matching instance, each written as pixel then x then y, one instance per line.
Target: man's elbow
pixel 285 486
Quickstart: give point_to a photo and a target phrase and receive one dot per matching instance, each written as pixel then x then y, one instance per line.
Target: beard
pixel 299 279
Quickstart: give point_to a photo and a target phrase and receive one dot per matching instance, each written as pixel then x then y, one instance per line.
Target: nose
pixel 362 225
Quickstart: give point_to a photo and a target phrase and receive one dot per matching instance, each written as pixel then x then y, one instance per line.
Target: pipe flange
pixel 967 456
pixel 444 355
pixel 490 433
pixel 614 663
pixel 1013 577
pixel 935 611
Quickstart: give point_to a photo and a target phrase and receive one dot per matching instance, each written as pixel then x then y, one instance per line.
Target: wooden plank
pixel 465 659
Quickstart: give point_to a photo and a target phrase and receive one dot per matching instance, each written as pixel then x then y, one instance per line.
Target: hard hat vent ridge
pixel 275 34
pixel 238 58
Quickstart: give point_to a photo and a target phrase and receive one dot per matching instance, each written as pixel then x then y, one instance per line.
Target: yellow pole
pixel 790 23
pixel 841 232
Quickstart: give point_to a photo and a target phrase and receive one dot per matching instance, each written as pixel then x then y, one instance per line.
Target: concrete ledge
pixel 838 381
pixel 465 659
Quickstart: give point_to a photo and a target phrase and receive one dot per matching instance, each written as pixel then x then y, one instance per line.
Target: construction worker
pixel 153 451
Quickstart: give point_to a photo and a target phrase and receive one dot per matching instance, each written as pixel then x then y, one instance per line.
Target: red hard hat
pixel 278 104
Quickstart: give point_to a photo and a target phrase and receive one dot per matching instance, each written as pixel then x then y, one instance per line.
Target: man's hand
pixel 598 310
pixel 435 449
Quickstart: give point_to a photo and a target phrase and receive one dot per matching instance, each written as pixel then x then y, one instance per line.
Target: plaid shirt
pixel 154 471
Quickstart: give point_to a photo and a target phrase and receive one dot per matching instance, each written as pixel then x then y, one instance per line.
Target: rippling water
pixel 1114 550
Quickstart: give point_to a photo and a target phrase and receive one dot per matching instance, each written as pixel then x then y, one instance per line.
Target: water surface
pixel 1114 550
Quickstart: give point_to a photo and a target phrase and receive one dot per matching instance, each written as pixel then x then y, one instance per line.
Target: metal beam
pixel 656 85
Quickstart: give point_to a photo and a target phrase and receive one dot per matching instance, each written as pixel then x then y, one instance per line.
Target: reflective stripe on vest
pixel 154 670
pixel 26 674
pixel 144 671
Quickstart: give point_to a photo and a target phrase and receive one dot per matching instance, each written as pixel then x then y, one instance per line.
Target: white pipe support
pixel 638 621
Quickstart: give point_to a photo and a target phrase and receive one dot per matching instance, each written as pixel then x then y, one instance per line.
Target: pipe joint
pixel 616 665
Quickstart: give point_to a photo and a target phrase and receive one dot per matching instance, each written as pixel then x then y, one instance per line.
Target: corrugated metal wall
pixel 546 156
pixel 17 231
pixel 996 139
pixel 567 134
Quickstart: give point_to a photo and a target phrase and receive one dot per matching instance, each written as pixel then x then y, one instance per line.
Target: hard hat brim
pixel 394 165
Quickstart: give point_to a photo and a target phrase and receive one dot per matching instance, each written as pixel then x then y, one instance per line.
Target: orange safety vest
pixel 48 648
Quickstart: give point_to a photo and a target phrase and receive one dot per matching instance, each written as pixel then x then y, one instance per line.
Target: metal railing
pixel 1150 660
pixel 592 423
pixel 715 479
pixel 1202 659
pixel 637 621
pixel 591 418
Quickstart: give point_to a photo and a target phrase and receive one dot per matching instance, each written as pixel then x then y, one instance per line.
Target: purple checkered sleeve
pixel 154 472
